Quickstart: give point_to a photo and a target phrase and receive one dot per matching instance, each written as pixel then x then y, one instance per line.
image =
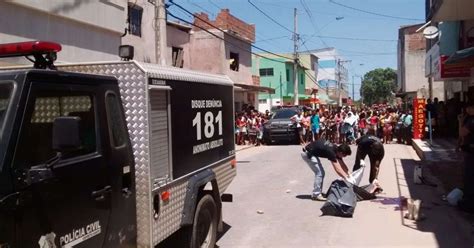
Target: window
pixel 284 114
pixel 177 56
pixel 234 61
pixel 5 96
pixel 266 72
pixel 37 131
pixel 135 20
pixel 262 101
pixel 287 75
pixel 301 78
pixel 115 120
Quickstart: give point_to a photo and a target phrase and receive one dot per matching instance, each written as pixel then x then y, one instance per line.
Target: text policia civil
pixel 206 121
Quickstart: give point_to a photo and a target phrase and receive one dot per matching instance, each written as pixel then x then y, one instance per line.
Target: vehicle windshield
pixel 284 114
pixel 5 96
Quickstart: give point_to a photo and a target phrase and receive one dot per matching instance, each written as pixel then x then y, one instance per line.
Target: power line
pixel 374 54
pixel 215 5
pixel 320 67
pixel 274 38
pixel 269 17
pixel 350 38
pixel 313 23
pixel 374 13
pixel 212 14
pixel 211 33
pixel 223 31
pixel 203 9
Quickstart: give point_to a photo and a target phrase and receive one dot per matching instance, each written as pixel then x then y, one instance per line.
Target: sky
pixel 318 21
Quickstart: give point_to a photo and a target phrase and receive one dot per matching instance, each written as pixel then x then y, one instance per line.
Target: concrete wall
pixel 414 71
pixel 144 45
pixel 207 52
pixel 106 14
pixel 46 20
pixel 244 74
pixel 411 61
pixel 178 38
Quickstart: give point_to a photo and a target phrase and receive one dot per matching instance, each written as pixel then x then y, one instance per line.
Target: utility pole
pixel 339 88
pixel 270 95
pixel 295 57
pixel 160 31
pixel 281 91
pixel 352 87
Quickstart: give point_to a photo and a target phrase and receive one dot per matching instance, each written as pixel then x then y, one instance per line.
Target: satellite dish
pixel 431 32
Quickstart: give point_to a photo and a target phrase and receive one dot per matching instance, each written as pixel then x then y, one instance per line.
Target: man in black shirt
pixel 372 146
pixel 325 149
pixel 467 133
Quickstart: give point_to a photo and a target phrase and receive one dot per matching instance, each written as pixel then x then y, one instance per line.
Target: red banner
pixel 419 118
pixel 454 71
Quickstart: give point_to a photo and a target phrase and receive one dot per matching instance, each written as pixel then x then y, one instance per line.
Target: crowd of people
pixel 338 125
pixel 346 124
pixel 249 126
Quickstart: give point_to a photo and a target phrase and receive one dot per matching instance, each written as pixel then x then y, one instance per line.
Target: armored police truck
pixel 111 154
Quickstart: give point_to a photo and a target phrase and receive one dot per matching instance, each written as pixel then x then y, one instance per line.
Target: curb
pixel 244 148
pixel 418 148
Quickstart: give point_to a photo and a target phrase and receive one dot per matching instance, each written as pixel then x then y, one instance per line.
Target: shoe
pixel 318 198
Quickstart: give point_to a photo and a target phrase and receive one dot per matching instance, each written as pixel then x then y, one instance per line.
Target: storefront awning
pixel 453 10
pixel 463 58
pixel 256 88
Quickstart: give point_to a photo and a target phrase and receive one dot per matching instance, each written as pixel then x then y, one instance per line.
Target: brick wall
pixel 226 21
pixel 415 42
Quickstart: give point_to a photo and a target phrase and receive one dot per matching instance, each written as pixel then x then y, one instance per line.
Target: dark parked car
pixel 280 127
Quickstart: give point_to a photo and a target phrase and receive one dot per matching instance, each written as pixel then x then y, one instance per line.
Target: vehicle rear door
pixel 72 208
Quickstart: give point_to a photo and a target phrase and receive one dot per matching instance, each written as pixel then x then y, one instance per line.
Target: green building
pixel 277 73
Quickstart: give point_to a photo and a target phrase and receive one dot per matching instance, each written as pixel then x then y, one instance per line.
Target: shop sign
pixel 453 71
pixel 419 118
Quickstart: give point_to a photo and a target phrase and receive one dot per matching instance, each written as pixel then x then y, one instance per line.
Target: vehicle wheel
pixel 204 229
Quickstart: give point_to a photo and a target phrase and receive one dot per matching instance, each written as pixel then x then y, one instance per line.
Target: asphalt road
pixel 272 208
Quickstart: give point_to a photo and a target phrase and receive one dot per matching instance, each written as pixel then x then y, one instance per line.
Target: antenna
pixel 431 32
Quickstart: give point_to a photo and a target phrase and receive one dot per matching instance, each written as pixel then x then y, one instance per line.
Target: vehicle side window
pixel 116 125
pixel 36 134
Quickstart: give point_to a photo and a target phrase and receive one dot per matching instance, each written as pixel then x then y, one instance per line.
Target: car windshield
pixel 5 96
pixel 284 114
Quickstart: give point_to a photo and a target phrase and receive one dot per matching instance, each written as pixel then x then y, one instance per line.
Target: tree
pixel 378 85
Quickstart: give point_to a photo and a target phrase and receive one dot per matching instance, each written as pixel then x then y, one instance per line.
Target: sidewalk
pixel 445 167
pixel 443 161
pixel 441 150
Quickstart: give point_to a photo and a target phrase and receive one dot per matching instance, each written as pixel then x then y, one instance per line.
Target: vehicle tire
pixel 204 228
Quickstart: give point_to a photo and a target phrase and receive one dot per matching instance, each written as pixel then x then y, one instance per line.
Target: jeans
pixel 315 165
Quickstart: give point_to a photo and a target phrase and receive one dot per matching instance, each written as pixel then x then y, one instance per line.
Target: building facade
pixel 86 30
pixel 143 34
pixel 227 53
pixel 277 73
pixel 332 73
pixel 450 56
pixel 411 80
pixel 201 46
